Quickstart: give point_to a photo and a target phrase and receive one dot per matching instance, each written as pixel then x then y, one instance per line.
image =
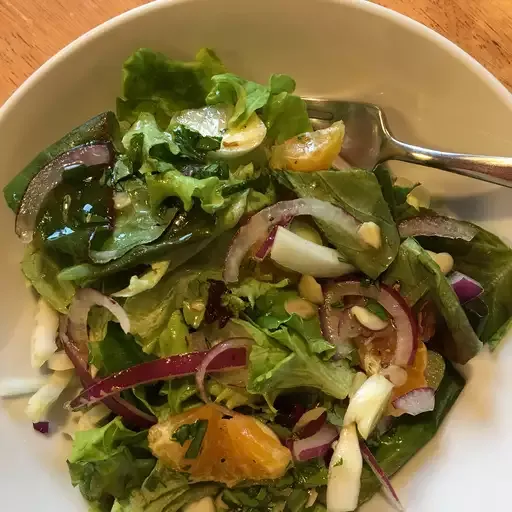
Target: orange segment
pixel 415 376
pixel 233 449
pixel 310 151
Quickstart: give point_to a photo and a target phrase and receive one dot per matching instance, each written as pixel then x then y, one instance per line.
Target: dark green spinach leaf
pixel 488 260
pixel 103 127
pixel 357 192
pixel 409 434
pixel 417 273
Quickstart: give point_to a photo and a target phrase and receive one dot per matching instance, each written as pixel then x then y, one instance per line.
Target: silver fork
pixel 369 142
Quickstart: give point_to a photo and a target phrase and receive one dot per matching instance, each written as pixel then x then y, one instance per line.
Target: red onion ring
pixel 390 300
pixel 416 401
pixel 381 475
pixel 117 405
pixel 153 371
pixel 257 229
pixel 316 445
pixel 436 225
pixel 266 246
pixel 49 177
pixel 217 350
pixel 83 301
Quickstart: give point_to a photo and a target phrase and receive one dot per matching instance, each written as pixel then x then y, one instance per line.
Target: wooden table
pixel 31 31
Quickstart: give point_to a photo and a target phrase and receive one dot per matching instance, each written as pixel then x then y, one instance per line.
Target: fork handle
pixel 494 169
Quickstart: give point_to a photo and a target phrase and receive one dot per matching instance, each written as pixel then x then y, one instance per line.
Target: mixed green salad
pixel 251 323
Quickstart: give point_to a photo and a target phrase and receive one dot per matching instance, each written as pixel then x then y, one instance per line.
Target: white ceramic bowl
pixel 434 93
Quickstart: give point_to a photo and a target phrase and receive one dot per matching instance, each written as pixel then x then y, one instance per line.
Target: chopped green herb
pixel 339 463
pixel 193 431
pixel 374 307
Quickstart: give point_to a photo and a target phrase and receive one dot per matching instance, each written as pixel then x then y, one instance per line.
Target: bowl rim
pixel 448 46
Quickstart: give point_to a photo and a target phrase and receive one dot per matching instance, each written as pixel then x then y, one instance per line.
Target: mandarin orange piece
pixel 415 377
pixel 310 151
pixel 233 448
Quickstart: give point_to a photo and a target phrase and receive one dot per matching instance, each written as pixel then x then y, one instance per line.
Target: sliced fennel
pixel 368 404
pixel 295 253
pixel 41 401
pixel 345 469
pixel 45 332
pixel 60 362
pixel 18 386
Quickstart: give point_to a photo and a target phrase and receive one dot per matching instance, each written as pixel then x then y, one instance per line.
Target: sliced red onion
pixel 403 319
pixel 266 246
pixel 316 445
pixel 83 301
pixel 436 225
pixel 465 287
pixel 211 356
pixel 117 405
pixel 50 176
pixel 381 476
pixel 416 401
pixel 42 426
pixel 259 225
pixel 310 422
pixel 160 369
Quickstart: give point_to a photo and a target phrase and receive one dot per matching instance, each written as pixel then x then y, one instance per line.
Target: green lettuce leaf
pixel 252 289
pixel 116 351
pixel 164 490
pixel 281 360
pixel 415 265
pixel 175 184
pixel 150 312
pixel 42 272
pixel 107 463
pixel 103 127
pixel 179 394
pixel 488 260
pixel 154 83
pixel 271 314
pixel 146 281
pixel 230 396
pixel 173 338
pixel 409 434
pixel 358 192
pixel 244 95
pixel 136 224
pixel 285 114
pixel 145 142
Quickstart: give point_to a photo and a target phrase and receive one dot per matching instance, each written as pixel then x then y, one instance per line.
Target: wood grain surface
pixel 31 31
